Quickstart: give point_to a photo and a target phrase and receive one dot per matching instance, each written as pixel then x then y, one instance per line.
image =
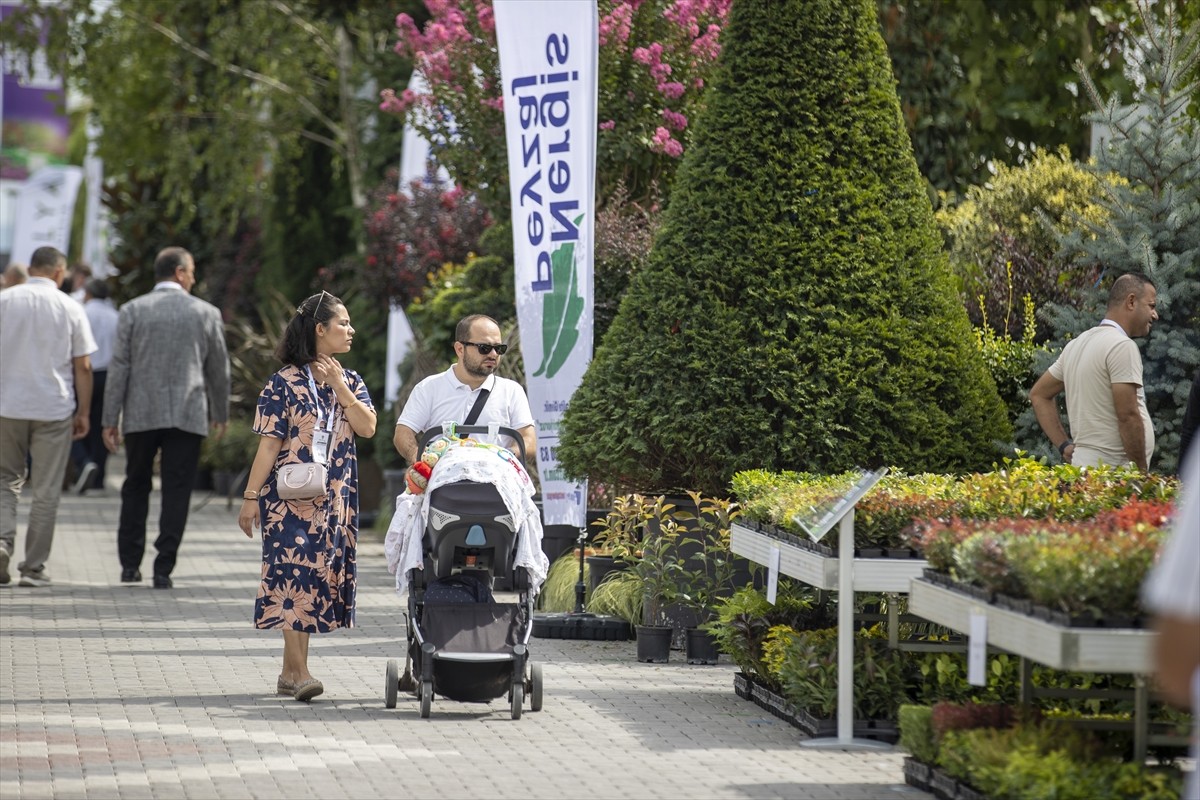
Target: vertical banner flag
pixel 45 206
pixel 548 66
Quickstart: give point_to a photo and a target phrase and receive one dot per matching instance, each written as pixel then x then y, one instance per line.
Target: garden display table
pixel 1119 650
pixel 837 573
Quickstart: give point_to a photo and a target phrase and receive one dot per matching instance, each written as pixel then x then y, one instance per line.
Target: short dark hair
pixel 299 343
pixel 168 260
pixel 462 331
pixel 1129 283
pixel 97 288
pixel 47 259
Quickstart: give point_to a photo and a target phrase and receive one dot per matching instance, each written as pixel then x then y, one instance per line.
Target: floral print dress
pixel 308 566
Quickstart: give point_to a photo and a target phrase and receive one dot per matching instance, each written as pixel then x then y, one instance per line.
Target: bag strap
pixel 476 409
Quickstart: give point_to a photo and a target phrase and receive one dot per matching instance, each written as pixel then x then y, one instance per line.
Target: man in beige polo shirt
pixel 1101 372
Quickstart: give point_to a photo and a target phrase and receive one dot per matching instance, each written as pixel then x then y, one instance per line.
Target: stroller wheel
pixel 535 687
pixel 392 684
pixel 518 699
pixel 426 691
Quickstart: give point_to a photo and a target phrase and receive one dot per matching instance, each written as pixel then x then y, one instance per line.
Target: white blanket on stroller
pixel 481 464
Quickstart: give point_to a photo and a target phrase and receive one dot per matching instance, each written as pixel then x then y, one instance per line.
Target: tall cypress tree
pixel 797 311
pixel 1154 220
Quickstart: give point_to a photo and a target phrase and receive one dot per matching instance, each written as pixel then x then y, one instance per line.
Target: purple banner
pixel 35 126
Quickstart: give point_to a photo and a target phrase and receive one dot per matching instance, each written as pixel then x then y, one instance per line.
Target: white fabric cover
pixel 468 460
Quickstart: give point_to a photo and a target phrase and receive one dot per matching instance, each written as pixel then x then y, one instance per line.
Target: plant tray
pixel 943 786
pixel 821 570
pixel 741 686
pixel 1122 650
pixel 917 773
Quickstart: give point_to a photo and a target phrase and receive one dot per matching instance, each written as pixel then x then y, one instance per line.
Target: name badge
pixel 321 446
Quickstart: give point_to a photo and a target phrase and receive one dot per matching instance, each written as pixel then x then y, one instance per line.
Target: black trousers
pixel 91 447
pixel 180 457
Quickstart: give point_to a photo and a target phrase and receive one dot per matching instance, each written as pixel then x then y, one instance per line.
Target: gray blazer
pixel 170 368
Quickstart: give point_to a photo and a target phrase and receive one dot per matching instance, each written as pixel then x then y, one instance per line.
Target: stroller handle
pixel 437 431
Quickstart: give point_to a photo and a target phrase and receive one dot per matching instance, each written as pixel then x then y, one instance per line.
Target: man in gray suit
pixel 168 379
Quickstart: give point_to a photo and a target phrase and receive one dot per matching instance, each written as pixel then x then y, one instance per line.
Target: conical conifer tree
pixel 1153 222
pixel 797 311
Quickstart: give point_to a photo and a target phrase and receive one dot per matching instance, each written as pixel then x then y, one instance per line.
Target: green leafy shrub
pixel 232 452
pixel 916 732
pixel 796 291
pixel 743 620
pixel 1002 238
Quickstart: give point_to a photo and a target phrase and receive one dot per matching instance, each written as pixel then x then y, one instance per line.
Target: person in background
pixel 89 454
pixel 451 395
pixel 1101 372
pixel 45 397
pixel 1172 595
pixel 76 282
pixel 310 410
pixel 168 382
pixel 14 275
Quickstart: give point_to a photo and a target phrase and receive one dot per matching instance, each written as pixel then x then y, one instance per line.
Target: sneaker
pixel 35 579
pixel 84 481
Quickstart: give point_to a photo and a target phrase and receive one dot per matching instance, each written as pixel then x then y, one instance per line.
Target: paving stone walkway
pixel 119 691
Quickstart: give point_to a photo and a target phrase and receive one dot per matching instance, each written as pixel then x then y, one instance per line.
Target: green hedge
pixel 797 311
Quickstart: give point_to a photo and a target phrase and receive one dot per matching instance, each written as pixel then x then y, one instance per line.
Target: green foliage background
pixel 797 311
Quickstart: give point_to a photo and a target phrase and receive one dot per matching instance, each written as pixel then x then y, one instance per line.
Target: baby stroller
pixel 462 644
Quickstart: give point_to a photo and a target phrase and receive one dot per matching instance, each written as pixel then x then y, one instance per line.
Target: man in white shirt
pixel 449 396
pixel 45 399
pixel 1101 373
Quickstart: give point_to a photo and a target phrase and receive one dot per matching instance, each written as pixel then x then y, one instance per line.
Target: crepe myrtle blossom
pixel 663 51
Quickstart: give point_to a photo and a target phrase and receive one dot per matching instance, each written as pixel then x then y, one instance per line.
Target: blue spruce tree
pixel 1154 220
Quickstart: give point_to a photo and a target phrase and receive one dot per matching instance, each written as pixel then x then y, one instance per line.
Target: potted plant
pixel 707 574
pixel 654 568
pixel 614 534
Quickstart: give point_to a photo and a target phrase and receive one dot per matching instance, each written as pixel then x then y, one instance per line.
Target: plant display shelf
pixel 821 571
pixel 1125 650
pixel 1119 650
pixel 838 573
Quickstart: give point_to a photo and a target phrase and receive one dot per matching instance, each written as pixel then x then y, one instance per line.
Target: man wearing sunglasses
pixel 451 396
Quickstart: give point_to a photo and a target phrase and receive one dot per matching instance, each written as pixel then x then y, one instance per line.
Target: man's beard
pixel 479 370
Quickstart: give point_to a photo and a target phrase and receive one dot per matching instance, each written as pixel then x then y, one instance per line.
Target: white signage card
pixel 772 574
pixel 548 67
pixel 977 650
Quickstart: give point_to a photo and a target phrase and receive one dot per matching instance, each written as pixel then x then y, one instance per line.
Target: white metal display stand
pixel 841 513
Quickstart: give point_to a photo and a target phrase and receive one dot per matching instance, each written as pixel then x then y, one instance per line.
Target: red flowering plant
pixel 410 234
pixel 655 58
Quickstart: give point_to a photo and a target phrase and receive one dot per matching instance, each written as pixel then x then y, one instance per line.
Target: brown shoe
pixel 284 687
pixel 307 690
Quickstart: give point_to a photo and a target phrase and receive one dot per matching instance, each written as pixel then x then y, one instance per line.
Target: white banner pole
pixel 548 67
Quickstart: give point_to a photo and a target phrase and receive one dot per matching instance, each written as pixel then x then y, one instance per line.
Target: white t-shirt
pixel 102 316
pixel 1088 367
pixel 41 330
pixel 444 398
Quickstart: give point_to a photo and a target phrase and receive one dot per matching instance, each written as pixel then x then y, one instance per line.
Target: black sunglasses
pixel 485 348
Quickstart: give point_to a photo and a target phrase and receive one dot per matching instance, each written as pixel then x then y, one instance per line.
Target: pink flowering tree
pixel 655 58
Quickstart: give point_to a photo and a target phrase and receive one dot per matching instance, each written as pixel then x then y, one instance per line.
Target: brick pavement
pixel 116 691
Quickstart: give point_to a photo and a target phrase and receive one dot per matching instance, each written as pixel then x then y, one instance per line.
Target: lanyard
pixel 328 420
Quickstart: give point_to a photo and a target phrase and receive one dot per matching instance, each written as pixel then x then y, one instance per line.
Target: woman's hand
pixel 248 518
pixel 326 369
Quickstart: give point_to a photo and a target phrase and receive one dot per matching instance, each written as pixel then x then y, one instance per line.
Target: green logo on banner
pixel 561 309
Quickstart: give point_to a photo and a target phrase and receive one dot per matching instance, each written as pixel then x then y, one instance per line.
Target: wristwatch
pixel 1062 447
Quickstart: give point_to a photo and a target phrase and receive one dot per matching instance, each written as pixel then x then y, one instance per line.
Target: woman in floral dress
pixel 308 569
